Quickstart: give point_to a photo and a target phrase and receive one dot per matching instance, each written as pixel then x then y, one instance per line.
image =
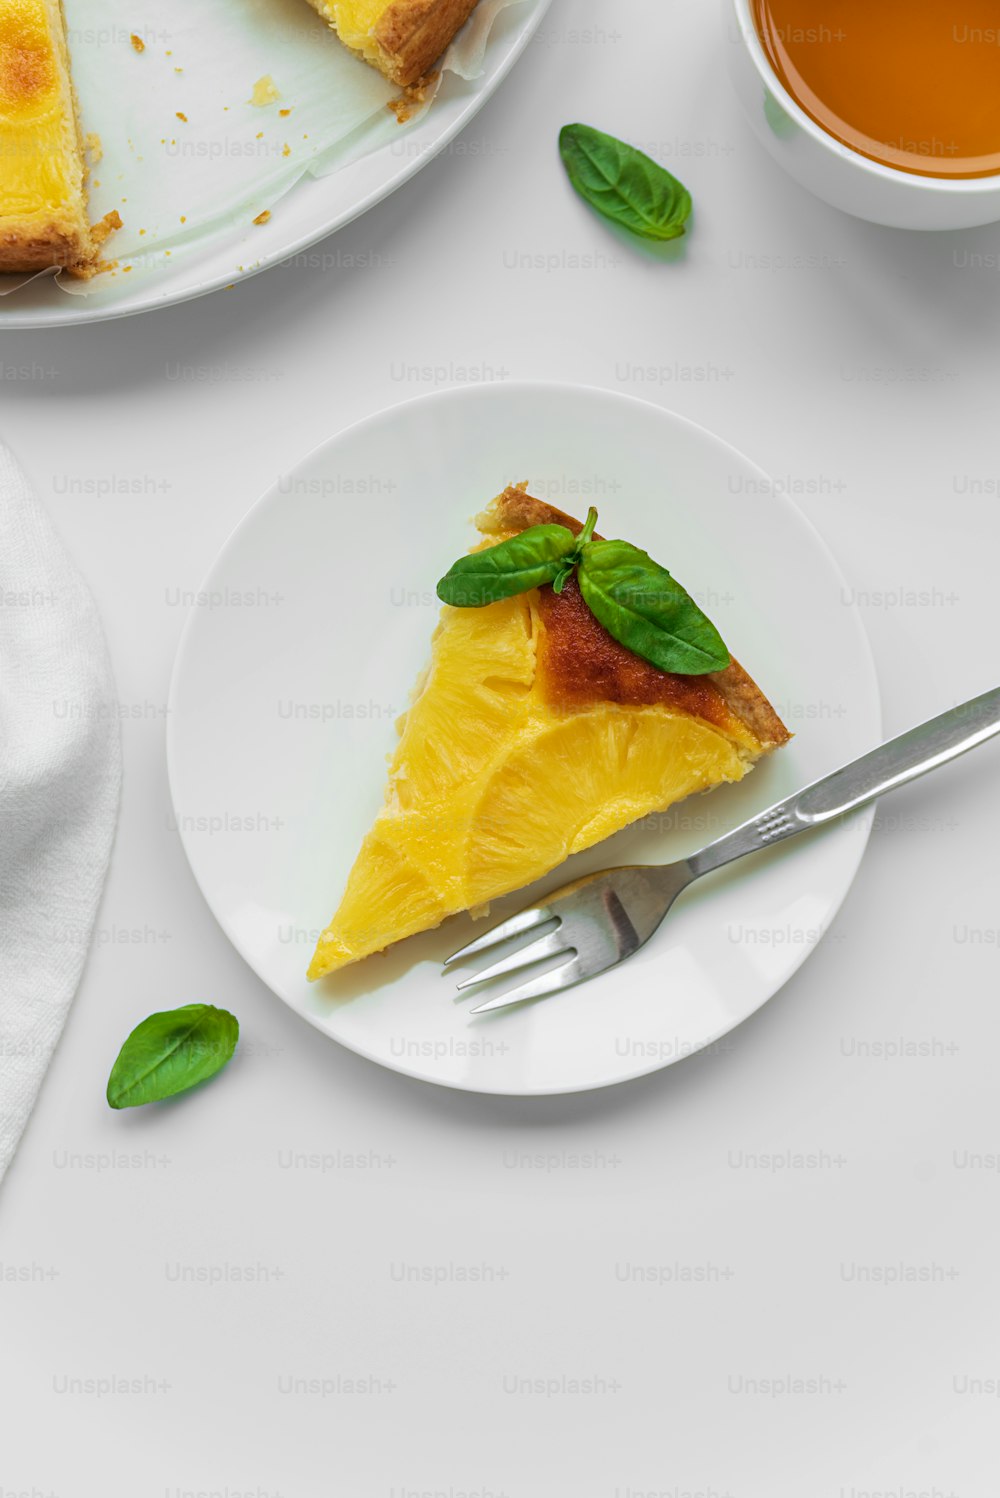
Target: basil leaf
pixel 587 534
pixel 170 1052
pixel 624 184
pixel 649 613
pixel 566 570
pixel 529 560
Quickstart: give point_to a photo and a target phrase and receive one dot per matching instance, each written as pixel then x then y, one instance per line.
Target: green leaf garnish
pixel 635 599
pixel 587 534
pixel 649 613
pixel 170 1052
pixel 529 560
pixel 624 184
pixel 564 574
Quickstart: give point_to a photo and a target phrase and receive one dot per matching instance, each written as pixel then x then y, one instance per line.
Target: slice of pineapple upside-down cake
pixel 533 735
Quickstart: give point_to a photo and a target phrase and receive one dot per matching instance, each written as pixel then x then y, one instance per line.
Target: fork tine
pixel 536 988
pixel 525 920
pixel 552 945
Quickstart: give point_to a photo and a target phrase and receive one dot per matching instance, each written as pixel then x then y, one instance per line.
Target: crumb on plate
pixel 413 98
pixel 265 91
pixel 98 234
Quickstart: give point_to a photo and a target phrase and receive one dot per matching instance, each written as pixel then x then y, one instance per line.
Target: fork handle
pixel 893 764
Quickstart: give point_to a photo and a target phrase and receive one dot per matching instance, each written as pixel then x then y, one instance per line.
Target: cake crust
pixel 409 36
pixel 581 663
pixel 413 34
pixel 28 246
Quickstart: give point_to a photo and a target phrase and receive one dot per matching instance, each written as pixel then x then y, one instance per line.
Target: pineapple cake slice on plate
pixel 536 732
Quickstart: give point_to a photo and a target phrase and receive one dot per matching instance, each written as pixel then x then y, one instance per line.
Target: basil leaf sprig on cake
pixel 624 184
pixel 634 598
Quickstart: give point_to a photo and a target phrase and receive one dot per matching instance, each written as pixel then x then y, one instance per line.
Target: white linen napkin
pixel 60 778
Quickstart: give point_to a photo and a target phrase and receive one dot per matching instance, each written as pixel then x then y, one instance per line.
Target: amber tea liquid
pixel 913 84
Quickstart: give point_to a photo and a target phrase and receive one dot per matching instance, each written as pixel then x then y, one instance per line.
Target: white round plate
pixel 312 629
pixel 316 207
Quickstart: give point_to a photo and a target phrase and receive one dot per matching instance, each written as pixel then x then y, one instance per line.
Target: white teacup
pixel 831 170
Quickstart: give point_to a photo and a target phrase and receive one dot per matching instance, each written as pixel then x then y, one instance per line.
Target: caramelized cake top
pixel 580 663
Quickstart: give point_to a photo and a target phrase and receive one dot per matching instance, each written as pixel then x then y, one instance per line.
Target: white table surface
pixel 814 1206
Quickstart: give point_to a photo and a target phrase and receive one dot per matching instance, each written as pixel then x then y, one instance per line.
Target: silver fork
pixel 604 918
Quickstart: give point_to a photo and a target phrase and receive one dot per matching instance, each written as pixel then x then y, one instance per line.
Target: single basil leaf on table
pixel 641 605
pixel 170 1052
pixel 624 184
pixel 528 560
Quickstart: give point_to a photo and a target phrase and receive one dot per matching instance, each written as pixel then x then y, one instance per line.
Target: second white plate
pixel 311 631
pixel 314 208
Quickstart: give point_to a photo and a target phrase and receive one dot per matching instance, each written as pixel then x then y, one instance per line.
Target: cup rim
pixel 947 186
